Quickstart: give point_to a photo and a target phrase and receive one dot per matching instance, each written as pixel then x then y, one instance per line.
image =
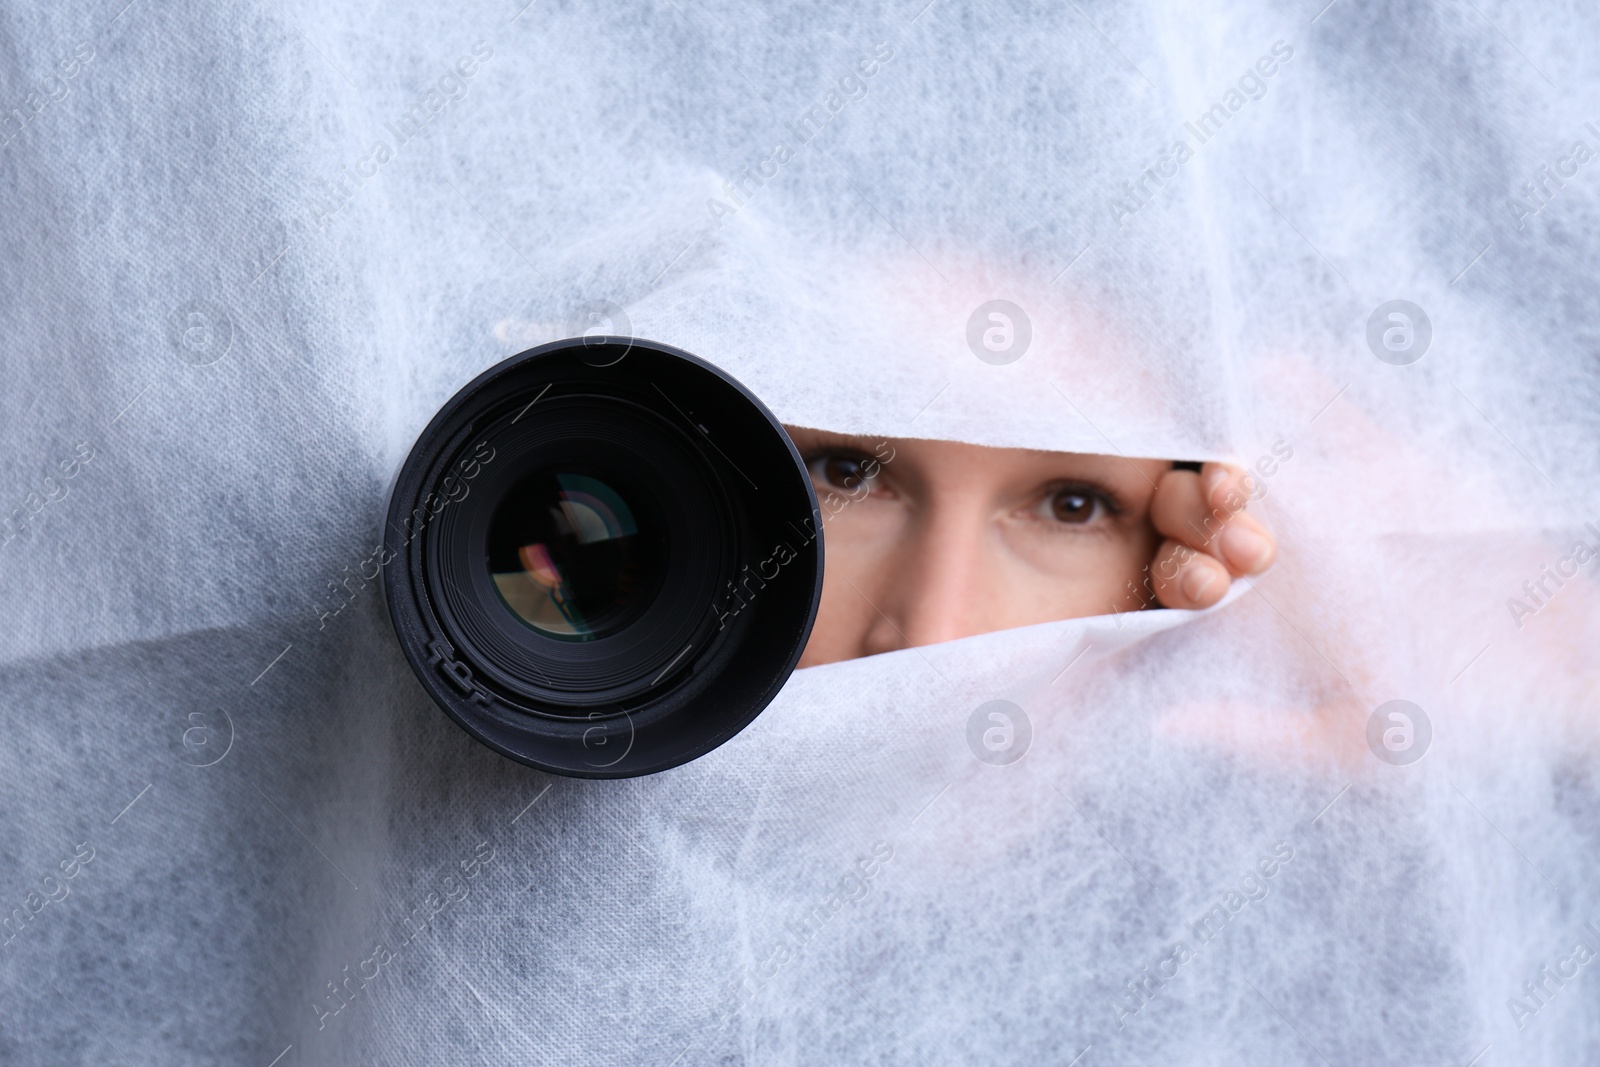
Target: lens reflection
pixel 568 556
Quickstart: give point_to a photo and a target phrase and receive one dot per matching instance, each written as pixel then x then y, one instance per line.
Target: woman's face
pixel 929 541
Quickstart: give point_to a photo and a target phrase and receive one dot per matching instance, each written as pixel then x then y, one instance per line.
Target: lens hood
pixel 603 557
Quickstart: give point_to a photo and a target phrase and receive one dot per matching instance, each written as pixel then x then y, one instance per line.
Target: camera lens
pixel 568 556
pixel 603 557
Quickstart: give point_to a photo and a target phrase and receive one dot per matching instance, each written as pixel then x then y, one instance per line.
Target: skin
pixel 930 541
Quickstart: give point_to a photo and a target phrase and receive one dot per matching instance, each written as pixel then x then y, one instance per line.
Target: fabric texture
pixel 246 252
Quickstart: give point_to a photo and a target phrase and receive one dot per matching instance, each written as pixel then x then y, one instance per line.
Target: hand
pixel 1208 540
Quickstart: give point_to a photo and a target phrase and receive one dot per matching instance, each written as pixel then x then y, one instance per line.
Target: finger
pixel 1204 511
pixel 1179 511
pixel 1226 489
pixel 1246 546
pixel 1243 542
pixel 1185 578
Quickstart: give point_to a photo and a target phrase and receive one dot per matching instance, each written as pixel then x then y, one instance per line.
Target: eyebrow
pixel 830 437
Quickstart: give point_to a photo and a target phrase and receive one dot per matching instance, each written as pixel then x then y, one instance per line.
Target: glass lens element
pixel 568 556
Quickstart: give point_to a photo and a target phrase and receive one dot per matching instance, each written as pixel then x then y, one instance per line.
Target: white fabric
pixel 226 314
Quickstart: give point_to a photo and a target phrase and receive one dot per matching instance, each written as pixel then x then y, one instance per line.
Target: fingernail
pixel 1197 578
pixel 1246 549
pixel 1213 478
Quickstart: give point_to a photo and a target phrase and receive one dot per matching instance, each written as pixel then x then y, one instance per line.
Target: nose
pixel 940 587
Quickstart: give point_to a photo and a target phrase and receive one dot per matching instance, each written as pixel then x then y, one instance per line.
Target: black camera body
pixel 605 557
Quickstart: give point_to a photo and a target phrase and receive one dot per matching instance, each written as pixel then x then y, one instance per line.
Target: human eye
pixel 1077 504
pixel 843 470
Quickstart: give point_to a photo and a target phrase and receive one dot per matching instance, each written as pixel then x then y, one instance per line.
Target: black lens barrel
pixel 671 570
